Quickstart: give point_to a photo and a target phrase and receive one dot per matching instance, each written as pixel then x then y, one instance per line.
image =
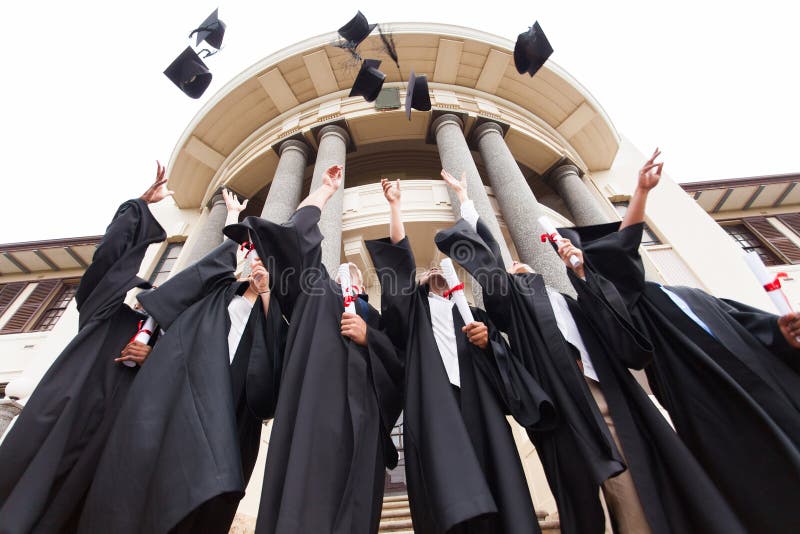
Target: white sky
pixel 85 109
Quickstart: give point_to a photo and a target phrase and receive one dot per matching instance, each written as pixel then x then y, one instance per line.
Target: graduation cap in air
pixel 532 50
pixel 211 31
pixel 369 80
pixel 417 95
pixel 189 73
pixel 356 30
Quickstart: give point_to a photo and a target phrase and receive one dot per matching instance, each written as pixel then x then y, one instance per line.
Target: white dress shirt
pixel 469 213
pixel 685 308
pixel 568 328
pixel 445 335
pixel 239 312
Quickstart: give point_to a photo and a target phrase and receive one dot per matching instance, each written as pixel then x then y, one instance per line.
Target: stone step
pixel 396 512
pixel 393 505
pixel 393 525
pixel 550 525
pixel 395 498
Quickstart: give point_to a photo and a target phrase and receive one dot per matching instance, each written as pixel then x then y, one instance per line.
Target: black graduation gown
pixel 579 453
pixel 190 429
pixel 330 440
pixel 49 456
pixel 462 466
pixel 731 396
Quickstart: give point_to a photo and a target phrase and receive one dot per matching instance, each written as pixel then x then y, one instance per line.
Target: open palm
pixel 158 191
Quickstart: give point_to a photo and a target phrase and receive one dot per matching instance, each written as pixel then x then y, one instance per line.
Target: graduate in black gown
pixel 50 454
pixel 463 469
pixel 340 390
pixel 664 489
pixel 185 443
pixel 723 370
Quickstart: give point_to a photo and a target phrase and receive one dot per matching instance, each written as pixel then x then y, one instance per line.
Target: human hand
pixel 354 327
pixel 459 187
pixel 566 250
pixel 232 203
pixel 790 328
pixel 158 191
pixel 259 277
pixel 477 333
pixel 650 173
pixel 135 351
pixel 391 190
pixel 332 178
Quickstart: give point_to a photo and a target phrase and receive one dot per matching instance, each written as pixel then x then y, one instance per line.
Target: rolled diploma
pixel 550 229
pixel 449 272
pixel 344 281
pixel 142 337
pixel 764 277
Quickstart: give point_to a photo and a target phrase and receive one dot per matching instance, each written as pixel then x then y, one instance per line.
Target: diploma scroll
pixel 553 236
pixel 456 290
pixel 770 282
pixel 347 291
pixel 143 335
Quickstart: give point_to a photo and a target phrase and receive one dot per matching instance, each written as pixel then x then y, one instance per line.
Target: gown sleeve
pixel 117 260
pixel 190 285
pixel 291 252
pixel 396 269
pixel 266 362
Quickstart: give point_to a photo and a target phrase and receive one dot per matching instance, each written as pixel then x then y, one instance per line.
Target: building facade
pixel 529 146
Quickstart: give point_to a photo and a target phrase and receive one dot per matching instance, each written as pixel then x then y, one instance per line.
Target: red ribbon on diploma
pixel 139 330
pixel 248 246
pixel 549 237
pixel 775 284
pixel 349 299
pixel 448 292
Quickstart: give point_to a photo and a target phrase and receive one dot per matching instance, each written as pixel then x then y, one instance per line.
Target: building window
pixel 760 235
pixel 166 263
pixel 42 307
pixel 56 307
pixel 648 236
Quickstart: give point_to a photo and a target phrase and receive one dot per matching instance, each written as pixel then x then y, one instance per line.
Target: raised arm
pixel 331 181
pixel 649 176
pixel 233 206
pixel 391 192
pixel 459 187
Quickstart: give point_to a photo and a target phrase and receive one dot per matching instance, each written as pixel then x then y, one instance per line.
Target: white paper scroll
pixel 552 233
pixel 142 336
pixel 769 282
pixel 345 283
pixel 449 272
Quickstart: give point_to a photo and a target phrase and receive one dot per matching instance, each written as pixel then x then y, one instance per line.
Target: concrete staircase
pixel 396 517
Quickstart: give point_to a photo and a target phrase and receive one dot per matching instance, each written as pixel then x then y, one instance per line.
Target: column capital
pixel 485 128
pixel 294 144
pixel 215 199
pixel 562 171
pixel 335 130
pixel 447 118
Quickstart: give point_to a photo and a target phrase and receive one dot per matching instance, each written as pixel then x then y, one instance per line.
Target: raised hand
pixel 232 203
pixel 477 333
pixel 459 187
pixel 650 173
pixel 790 328
pixel 566 250
pixel 158 191
pixel 391 190
pixel 332 178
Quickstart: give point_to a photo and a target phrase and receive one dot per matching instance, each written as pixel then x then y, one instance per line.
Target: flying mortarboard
pixel 417 95
pixel 356 30
pixel 532 50
pixel 369 81
pixel 211 31
pixel 189 73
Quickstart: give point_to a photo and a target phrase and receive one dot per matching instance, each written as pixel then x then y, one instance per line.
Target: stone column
pixel 457 158
pixel 580 202
pixel 287 184
pixel 209 236
pixel 9 409
pixel 519 206
pixel 333 141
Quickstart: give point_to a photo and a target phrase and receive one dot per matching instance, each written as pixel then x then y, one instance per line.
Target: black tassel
pixel 388 45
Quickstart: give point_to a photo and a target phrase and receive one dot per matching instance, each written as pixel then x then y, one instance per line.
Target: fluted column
pixel 287 184
pixel 519 206
pixel 457 158
pixel 333 141
pixel 209 236
pixel 581 204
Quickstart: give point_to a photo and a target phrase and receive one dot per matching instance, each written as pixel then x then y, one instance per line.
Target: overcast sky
pixel 86 110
